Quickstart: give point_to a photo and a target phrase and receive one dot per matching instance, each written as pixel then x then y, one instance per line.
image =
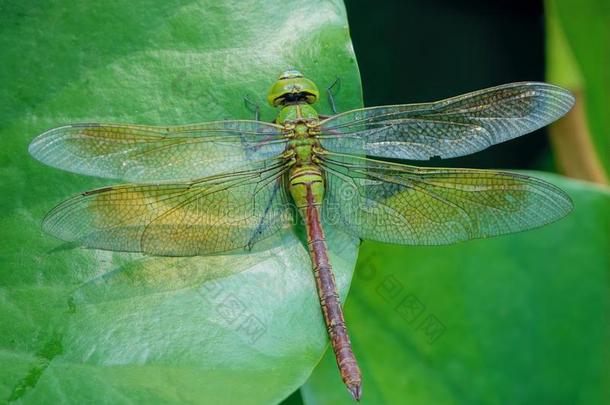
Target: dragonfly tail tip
pixel 356 390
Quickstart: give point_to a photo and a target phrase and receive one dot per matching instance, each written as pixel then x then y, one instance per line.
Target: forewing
pixel 453 127
pixel 210 216
pixel 407 205
pixel 145 153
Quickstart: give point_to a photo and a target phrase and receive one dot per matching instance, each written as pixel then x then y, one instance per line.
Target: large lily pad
pixel 86 326
pixel 518 319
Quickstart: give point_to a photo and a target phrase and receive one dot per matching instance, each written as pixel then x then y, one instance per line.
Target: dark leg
pixel 260 227
pixel 332 91
pixel 252 106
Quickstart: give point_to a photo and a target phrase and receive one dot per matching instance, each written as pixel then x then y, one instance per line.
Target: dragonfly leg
pixel 253 107
pixel 332 91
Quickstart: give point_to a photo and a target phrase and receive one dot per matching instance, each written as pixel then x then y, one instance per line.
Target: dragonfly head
pixel 292 87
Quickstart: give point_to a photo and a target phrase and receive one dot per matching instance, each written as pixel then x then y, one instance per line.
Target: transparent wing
pixel 146 154
pixel 453 127
pixel 419 206
pixel 212 215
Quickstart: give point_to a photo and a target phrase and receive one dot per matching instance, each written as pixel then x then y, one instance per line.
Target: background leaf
pixel 578 43
pixel 587 28
pixel 83 326
pixel 578 52
pixel 517 319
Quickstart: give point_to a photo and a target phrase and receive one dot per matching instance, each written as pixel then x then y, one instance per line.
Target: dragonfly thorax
pixel 294 113
pixel 305 176
pixel 302 121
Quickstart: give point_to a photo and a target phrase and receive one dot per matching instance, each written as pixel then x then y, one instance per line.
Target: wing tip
pixel 568 203
pixel 564 98
pixel 559 94
pixel 37 144
pixel 44 139
pixel 562 201
pixel 51 222
pixel 553 102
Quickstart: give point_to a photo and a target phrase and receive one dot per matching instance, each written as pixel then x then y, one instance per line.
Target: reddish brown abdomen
pixel 307 190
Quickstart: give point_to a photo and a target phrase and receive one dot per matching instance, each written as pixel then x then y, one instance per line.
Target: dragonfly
pixel 226 186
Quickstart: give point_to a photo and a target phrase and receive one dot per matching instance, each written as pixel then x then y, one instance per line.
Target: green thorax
pixel 305 172
pixel 304 119
pixel 295 112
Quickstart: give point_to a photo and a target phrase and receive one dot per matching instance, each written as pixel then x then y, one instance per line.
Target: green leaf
pixel 579 52
pixel 86 326
pixel 520 319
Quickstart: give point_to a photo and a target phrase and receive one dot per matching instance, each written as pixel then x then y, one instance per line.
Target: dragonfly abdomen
pixel 326 286
pixel 307 190
pixel 305 182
